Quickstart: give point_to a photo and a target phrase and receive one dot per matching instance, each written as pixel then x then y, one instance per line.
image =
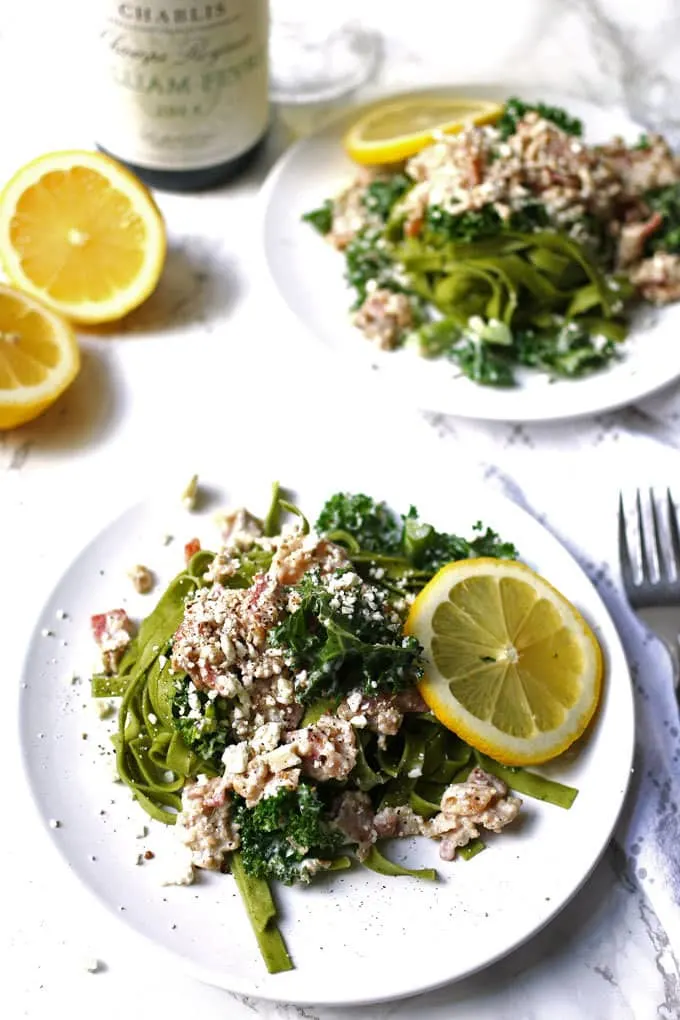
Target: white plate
pixel 309 276
pixel 355 937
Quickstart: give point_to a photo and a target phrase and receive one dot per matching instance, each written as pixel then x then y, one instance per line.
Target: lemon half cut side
pixel 39 357
pixel 82 234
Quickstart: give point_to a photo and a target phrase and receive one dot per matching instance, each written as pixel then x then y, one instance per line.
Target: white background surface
pixel 205 375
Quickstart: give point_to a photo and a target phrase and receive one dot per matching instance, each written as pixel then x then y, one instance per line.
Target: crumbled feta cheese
pixel 235 758
pixel 266 738
pixel 183 876
pixel 61 614
pixel 281 758
pixel 354 700
pixel 104 708
pixel 54 823
pixel 46 632
pixel 344 580
pixel 142 579
pixel 92 965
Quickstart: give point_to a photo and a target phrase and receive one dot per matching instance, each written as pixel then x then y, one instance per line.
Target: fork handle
pixel 664 623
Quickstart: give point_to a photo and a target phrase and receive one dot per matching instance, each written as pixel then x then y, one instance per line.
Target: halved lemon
pixel 399 128
pixel 512 666
pixel 82 234
pixel 39 357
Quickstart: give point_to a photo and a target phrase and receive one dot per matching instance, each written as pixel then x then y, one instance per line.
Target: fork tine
pixel 661 559
pixel 644 558
pixel 674 532
pixel 624 550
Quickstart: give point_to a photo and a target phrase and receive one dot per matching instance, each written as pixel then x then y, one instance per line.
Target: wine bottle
pixel 184 88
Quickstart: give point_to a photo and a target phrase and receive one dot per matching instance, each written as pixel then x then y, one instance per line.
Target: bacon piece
pixel 658 278
pixel 384 317
pixel 205 824
pixel 354 818
pixel 632 239
pixel 328 748
pixel 482 800
pixel 191 548
pixel 112 631
pixel 382 713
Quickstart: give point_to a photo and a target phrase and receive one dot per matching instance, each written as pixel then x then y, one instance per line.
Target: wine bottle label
pixel 185 84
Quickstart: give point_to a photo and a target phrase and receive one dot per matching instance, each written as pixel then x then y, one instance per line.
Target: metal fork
pixel 650 570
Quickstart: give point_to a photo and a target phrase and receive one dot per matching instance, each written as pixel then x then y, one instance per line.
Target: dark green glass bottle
pixel 184 89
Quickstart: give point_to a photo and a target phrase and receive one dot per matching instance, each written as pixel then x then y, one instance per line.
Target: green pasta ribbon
pixel 375 861
pixel 150 756
pixel 262 914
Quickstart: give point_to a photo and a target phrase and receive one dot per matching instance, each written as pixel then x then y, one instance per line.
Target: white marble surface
pixel 130 419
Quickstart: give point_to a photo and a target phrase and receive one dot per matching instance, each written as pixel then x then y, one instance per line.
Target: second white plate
pixel 309 276
pixel 355 937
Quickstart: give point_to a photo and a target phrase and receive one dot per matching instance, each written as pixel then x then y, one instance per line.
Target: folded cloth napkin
pixel 664 408
pixel 575 495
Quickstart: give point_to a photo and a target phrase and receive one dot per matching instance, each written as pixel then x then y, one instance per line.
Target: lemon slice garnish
pixel 397 129
pixel 512 666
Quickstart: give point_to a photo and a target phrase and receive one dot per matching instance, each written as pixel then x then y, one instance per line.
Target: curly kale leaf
pixel 515 109
pixel 568 350
pixel 531 216
pixel 371 524
pixel 489 543
pixel 322 218
pixel 406 539
pixel 465 227
pixel 345 639
pixel 381 196
pixel 207 731
pixel 665 201
pixel 481 363
pixel 429 549
pixel 284 832
pixel 368 260
pixel 472 226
